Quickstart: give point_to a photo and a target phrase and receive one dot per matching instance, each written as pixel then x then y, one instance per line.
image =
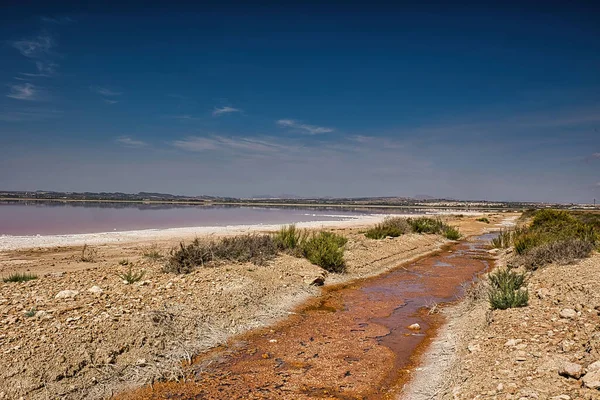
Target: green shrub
pixel 503 240
pixel 451 233
pixel 290 238
pixel 427 225
pixel 124 262
pixel 506 290
pixel 131 277
pixel 390 227
pixel 185 259
pixel 19 277
pixel 326 249
pixel 153 253
pixel 483 219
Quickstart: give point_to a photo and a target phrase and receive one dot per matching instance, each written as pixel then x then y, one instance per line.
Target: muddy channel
pixel 353 342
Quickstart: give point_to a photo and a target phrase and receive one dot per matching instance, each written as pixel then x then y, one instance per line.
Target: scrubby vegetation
pixel 483 219
pixel 390 227
pixel 291 239
pixel 130 277
pixel 553 236
pixel 326 249
pixel 19 277
pixel 88 254
pixel 507 290
pixel 153 253
pixel 394 227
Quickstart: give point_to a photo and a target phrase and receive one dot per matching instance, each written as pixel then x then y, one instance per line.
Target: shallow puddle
pixel 354 342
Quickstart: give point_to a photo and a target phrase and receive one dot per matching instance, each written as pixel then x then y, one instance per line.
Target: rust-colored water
pixel 352 343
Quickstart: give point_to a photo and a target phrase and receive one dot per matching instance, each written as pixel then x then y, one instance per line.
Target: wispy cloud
pixel 57 20
pixel 128 141
pixel 37 47
pixel 310 129
pixel 25 91
pixel 183 117
pixel 109 101
pixel 224 110
pixel 215 142
pixel 105 91
pixel 596 155
pixel 28 114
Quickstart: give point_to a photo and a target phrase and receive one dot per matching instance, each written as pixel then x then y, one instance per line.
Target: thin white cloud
pixel 199 143
pixel 183 117
pixel 105 91
pixel 128 141
pixel 25 91
pixel 224 110
pixel 37 47
pixel 596 155
pixel 109 101
pixel 28 114
pixel 310 129
pixel 57 20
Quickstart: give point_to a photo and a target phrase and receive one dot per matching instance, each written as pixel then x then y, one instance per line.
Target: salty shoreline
pixel 8 242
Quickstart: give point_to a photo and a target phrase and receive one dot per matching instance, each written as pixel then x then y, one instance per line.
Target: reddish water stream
pixel 352 343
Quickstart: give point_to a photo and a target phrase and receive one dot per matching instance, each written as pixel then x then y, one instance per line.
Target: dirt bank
pixel 517 353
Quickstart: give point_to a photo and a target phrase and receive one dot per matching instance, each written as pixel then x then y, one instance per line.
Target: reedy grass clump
pixel 290 238
pixel 390 227
pixel 506 290
pixel 451 233
pixel 153 253
pixel 483 219
pixel 326 249
pixel 19 277
pixel 131 277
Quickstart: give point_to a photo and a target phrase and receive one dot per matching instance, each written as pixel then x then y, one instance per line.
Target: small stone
pixel 473 348
pixel 415 327
pixel 66 294
pixel 41 314
pixel 568 313
pixel 512 342
pixel 95 290
pixel 521 356
pixel 595 366
pixel 273 341
pixel 592 380
pixel 71 319
pixel 561 397
pixel 500 387
pixel 570 370
pixel 140 362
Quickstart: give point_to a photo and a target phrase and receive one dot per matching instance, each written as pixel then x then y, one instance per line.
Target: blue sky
pixel 469 101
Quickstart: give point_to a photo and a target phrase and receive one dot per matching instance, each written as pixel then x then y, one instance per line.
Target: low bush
pixel 451 233
pixel 506 290
pixel 131 277
pixel 290 238
pixel 326 249
pixel 483 219
pixel 19 277
pixel 503 240
pixel 153 253
pixel 562 251
pixel 257 249
pixel 390 227
pixel 427 225
pixel 88 254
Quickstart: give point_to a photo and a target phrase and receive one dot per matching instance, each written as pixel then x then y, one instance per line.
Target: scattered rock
pixel 415 327
pixel 568 313
pixel 512 342
pixel 473 348
pixel 595 366
pixel 140 362
pixel 592 380
pixel 561 397
pixel 521 356
pixel 95 290
pixel 66 294
pixel 570 370
pixel 318 280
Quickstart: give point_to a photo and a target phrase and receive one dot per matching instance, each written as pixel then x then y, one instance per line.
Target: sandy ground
pixel 518 353
pixel 103 336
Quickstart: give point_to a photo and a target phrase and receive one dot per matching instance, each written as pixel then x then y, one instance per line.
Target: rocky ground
pixel 547 350
pixel 79 331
